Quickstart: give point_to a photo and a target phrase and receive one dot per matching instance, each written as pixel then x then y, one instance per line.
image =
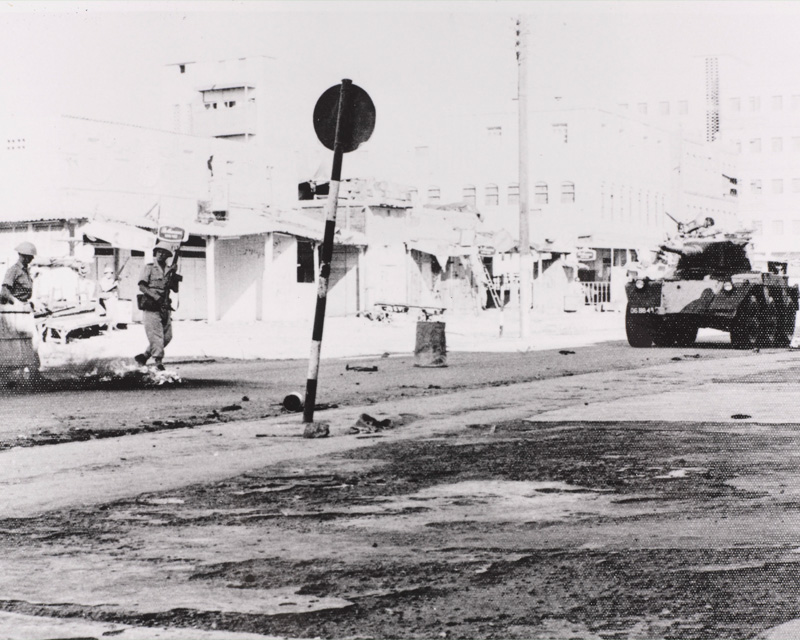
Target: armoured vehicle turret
pixel 712 285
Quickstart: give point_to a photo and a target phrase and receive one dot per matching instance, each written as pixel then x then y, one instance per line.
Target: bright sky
pixel 422 62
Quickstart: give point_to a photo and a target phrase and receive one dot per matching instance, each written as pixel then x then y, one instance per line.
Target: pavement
pixel 346 337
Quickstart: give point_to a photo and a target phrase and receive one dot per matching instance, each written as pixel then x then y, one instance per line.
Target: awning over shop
pixel 440 250
pixel 120 235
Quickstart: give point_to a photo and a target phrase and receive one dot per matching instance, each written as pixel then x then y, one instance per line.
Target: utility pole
pixel 525 262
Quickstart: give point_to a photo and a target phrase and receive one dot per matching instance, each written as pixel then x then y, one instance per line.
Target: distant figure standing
pixel 18 283
pixel 17 326
pixel 109 294
pixel 85 286
pixel 155 283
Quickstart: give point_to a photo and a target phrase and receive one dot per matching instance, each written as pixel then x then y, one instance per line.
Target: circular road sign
pixel 358 117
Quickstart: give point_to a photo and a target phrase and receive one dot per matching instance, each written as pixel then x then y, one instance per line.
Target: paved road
pixel 627 499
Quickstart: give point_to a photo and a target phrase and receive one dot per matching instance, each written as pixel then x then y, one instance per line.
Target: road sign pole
pixel 327 255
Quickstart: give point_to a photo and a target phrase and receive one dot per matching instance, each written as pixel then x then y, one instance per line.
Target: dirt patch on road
pixel 504 531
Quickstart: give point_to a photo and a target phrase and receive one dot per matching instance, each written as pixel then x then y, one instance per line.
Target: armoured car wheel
pixel 786 322
pixel 638 328
pixel 674 332
pixel 770 325
pixel 685 333
pixel 663 333
pixel 746 329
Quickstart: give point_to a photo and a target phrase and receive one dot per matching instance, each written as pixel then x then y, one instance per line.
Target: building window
pixel 755 186
pixel 567 192
pixel 795 185
pixel 468 194
pixel 737 144
pixel 642 108
pixel 777 227
pixel 758 227
pixel 683 107
pixel 434 194
pixel 663 108
pixel 796 143
pixel 736 104
pixel 560 130
pixel 796 103
pixel 623 106
pixel 777 103
pixel 777 185
pixel 494 131
pixel 305 261
pixel 755 145
pixel 755 103
pixel 777 144
pixel 513 194
pixel 540 193
pixel 796 227
pixel 492 196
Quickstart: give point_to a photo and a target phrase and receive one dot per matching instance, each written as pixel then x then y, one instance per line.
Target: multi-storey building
pixel 605 180
pixel 755 113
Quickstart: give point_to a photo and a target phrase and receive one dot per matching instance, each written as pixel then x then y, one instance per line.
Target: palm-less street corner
pixel 585 490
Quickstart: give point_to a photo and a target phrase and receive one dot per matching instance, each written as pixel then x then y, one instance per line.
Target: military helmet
pixel 164 247
pixel 26 249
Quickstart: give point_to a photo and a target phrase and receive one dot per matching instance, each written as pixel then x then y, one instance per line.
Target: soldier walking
pixel 155 283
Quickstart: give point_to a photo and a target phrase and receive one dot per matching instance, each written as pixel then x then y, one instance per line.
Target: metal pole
pixel 525 262
pixel 327 255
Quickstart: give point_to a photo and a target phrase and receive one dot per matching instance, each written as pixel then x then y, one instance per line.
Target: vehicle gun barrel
pixel 686 250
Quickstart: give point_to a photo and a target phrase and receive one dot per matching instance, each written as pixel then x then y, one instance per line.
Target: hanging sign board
pixel 586 255
pixel 172 234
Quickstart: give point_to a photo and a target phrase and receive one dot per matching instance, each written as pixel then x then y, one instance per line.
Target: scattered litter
pixel 316 430
pixel 740 416
pixel 325 405
pixel 676 359
pixel 434 386
pixel 367 424
pixel 245 399
pixel 696 355
pixel 566 352
pixel 360 368
pixel 232 407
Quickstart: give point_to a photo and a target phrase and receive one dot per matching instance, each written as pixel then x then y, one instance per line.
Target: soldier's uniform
pixel 18 282
pixel 157 312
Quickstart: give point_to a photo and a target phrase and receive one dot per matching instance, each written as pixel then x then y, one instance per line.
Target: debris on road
pixel 367 424
pixel 316 430
pixel 566 352
pixel 232 407
pixel 740 416
pixel 360 368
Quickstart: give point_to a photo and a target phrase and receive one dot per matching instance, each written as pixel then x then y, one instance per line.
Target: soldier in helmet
pixel 155 283
pixel 18 283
